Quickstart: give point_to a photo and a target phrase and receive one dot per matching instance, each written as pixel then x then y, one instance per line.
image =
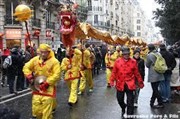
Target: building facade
pixel 119 17
pixel 43 26
pixel 114 16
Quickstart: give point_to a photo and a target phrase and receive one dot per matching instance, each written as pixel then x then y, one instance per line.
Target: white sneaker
pixel 90 90
pixel 135 105
pixel 79 93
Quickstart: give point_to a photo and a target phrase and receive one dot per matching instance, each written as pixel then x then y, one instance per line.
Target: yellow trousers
pixel 42 106
pixel 108 75
pixel 73 86
pixel 86 78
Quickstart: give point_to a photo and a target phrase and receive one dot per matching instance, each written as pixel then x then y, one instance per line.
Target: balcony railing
pixel 10 21
pixel 36 22
pixel 50 25
pixel 56 1
pixel 102 24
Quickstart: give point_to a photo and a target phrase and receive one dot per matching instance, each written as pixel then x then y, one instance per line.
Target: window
pixel 138 33
pixel 116 6
pixel 100 8
pixel 111 2
pixel 111 14
pixel 10 9
pixel 117 17
pixel 95 19
pixel 116 23
pixel 48 16
pixel 138 21
pixel 106 12
pixel 138 27
pixel 89 3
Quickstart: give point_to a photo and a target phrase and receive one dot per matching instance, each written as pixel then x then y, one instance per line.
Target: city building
pixel 43 26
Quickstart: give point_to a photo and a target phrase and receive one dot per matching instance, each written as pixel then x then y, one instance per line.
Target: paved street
pixel 101 104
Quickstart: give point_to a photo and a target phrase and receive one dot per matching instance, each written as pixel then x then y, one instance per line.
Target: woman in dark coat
pixel 141 68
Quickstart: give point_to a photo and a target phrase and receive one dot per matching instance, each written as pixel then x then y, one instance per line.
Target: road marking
pixel 19 96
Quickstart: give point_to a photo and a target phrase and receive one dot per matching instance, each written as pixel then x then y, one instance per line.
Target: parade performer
pixel 124 74
pixel 72 73
pixel 86 71
pixel 118 52
pixel 110 58
pixel 43 100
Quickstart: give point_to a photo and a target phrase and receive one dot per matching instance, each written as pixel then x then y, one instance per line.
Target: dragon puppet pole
pixel 82 51
pixel 70 54
pixel 26 24
pixel 29 39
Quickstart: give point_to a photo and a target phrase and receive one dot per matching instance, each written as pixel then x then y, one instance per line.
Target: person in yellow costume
pixel 86 71
pixel 144 53
pixel 71 66
pixel 118 52
pixel 131 52
pixel 110 58
pixel 44 99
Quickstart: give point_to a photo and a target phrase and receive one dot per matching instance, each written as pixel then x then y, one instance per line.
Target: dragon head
pixel 68 19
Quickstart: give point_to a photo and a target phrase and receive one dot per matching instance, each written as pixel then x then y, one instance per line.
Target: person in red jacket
pixel 124 73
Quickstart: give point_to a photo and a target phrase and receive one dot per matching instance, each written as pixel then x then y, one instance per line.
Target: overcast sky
pixel 148 6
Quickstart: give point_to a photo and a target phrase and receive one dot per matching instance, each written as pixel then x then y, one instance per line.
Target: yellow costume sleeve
pixel 113 57
pixel 106 59
pixel 29 66
pixel 64 64
pixel 56 72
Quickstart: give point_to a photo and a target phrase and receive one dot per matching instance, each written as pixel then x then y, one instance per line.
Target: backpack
pixel 160 64
pixel 7 62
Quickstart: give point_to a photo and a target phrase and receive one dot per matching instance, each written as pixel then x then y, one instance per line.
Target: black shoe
pixel 158 106
pixel 33 118
pixel 19 89
pixel 151 105
pixel 53 111
pixel 122 114
pixel 70 104
pixel 108 85
pixel 123 111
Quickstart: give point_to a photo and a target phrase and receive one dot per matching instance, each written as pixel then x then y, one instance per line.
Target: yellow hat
pixel 110 47
pixel 46 47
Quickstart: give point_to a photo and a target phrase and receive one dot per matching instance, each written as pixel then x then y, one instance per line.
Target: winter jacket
pixel 153 76
pixel 126 72
pixel 170 60
pixel 141 67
